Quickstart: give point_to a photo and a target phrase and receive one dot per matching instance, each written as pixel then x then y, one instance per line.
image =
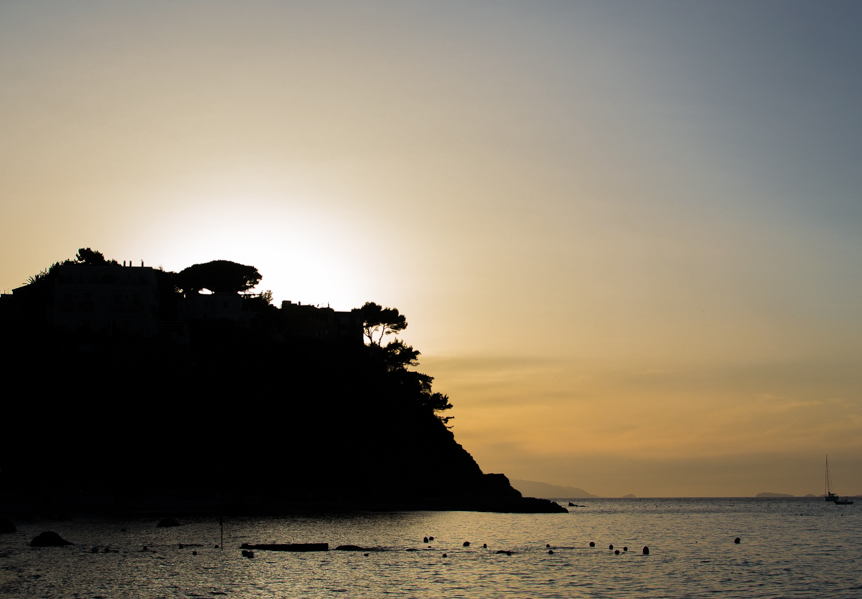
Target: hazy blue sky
pixel 627 235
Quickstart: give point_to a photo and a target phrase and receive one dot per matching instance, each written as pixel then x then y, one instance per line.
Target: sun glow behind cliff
pixel 626 235
pixel 303 253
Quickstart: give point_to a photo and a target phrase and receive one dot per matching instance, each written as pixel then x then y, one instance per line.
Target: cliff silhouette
pixel 128 387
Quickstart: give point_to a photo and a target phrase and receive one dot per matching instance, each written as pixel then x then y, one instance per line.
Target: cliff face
pixel 234 414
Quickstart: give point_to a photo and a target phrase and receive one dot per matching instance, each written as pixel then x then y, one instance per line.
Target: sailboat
pixel 830 496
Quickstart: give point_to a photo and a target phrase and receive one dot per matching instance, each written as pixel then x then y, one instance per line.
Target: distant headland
pixel 538 489
pixel 133 388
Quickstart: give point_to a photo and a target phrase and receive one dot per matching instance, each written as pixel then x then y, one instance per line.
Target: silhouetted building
pixel 113 298
pixel 30 305
pixel 321 323
pixel 7 307
pixel 105 297
pixel 218 305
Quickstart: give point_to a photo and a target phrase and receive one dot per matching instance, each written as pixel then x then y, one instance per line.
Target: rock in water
pixel 49 539
pixel 167 522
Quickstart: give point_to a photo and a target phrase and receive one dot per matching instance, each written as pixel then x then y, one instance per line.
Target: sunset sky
pixel 627 236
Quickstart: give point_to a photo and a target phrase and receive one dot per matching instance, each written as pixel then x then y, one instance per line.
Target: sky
pixel 627 236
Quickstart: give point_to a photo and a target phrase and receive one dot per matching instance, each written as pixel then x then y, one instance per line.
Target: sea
pixel 787 548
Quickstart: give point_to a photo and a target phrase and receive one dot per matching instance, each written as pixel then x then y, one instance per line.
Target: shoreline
pixel 159 507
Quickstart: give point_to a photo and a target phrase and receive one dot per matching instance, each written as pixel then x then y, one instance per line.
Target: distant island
pixel 133 388
pixel 773 495
pixel 629 496
pixel 531 488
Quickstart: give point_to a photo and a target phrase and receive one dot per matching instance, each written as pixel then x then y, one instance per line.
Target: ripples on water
pixel 789 548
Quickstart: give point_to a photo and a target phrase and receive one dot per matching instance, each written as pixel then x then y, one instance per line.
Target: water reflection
pixel 788 548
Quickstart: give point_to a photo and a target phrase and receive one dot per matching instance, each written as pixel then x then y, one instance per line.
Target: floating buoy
pixel 424 539
pixel 616 551
pixel 610 546
pixel 547 545
pixel 430 538
pixel 646 550
pixel 181 545
pixel 94 550
pixel 466 543
pixel 736 540
pixel 194 552
pixel 144 548
pixel 444 555
pixel 484 545
pixel 625 548
pixel 592 544
pixel 550 552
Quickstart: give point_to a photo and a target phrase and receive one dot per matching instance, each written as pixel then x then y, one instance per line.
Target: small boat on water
pixel 830 496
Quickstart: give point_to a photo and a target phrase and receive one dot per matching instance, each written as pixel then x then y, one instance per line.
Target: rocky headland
pixel 215 414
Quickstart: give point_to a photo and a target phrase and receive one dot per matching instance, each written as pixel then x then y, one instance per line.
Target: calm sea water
pixel 788 548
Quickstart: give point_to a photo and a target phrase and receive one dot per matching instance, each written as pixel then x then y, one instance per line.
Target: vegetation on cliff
pixel 237 410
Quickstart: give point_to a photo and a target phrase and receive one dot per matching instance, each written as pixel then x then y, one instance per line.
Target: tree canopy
pixel 377 322
pixel 219 276
pixel 90 257
pixel 85 256
pixel 397 357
